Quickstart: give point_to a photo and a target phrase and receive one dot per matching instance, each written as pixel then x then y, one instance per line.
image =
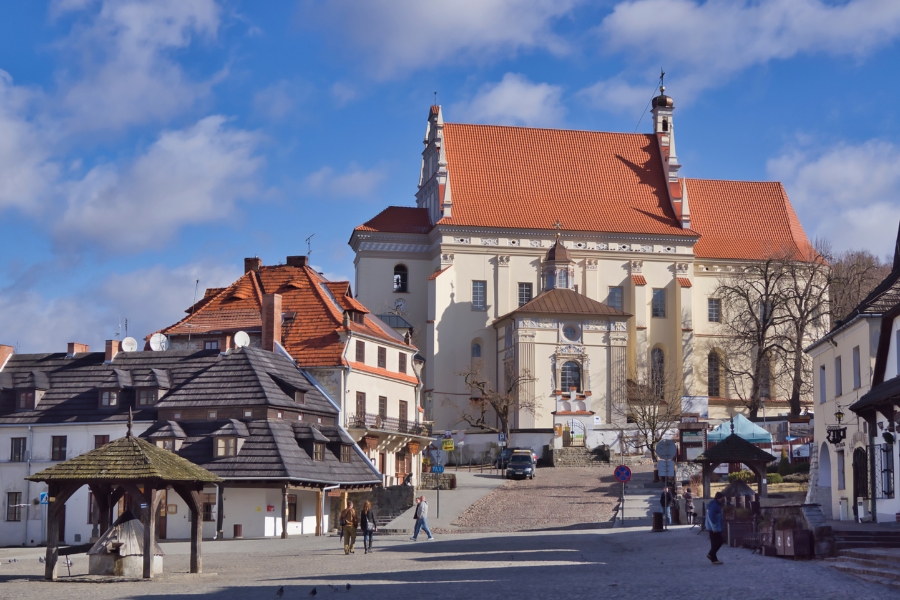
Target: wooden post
pixel 220 512
pixel 148 516
pixel 52 532
pixel 707 469
pixel 284 511
pixel 344 501
pixel 319 529
pixel 192 499
pixel 102 499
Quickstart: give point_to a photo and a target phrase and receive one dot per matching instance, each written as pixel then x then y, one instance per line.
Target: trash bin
pixel 238 531
pixel 657 521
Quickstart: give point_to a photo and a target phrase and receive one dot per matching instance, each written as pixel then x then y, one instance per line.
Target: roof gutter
pixel 369 482
pixel 841 328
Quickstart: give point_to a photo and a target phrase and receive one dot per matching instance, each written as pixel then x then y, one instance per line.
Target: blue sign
pixel 45 498
pixel 622 473
pixel 437 468
pixel 502 436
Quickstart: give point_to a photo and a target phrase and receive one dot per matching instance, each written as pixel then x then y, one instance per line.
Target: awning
pixel 743 428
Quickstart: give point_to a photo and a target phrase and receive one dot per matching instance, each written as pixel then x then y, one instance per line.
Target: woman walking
pixel 689 505
pixel 367 524
pixel 349 521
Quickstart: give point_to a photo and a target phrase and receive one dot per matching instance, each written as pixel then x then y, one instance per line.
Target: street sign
pixel 666 468
pixel 502 437
pixel 45 498
pixel 447 445
pixel 334 493
pixel 666 450
pixel 437 468
pixel 622 473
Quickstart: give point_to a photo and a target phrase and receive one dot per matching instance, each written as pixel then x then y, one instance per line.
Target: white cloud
pixel 514 101
pixel 279 99
pixel 703 44
pixel 149 298
pixel 355 182
pixel 189 176
pixel 126 74
pixel 401 35
pixel 847 193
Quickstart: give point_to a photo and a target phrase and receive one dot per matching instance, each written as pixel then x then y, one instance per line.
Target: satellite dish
pixel 158 342
pixel 241 339
pixel 129 344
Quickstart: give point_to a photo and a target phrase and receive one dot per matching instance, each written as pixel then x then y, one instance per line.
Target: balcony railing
pixel 374 421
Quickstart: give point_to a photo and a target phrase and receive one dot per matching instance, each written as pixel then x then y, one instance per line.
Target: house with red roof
pixel 467 263
pixel 366 367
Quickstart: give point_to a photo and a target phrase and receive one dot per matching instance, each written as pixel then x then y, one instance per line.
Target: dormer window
pixel 166 444
pixel 25 400
pixel 109 398
pixel 318 451
pixel 226 446
pixel 300 397
pixel 147 396
pixel 345 453
pixel 356 316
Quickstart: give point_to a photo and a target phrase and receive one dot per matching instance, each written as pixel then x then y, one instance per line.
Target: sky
pixel 146 145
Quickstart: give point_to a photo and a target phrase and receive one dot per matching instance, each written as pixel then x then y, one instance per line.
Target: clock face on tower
pixel 399 304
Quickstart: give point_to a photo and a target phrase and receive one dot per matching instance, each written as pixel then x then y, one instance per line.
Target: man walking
pixel 714 526
pixel 421 519
pixel 665 500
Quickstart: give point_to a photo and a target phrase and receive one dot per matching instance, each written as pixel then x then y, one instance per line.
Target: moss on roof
pixel 126 459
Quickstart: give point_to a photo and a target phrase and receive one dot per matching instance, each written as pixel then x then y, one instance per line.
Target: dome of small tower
pixel 558 253
pixel 663 101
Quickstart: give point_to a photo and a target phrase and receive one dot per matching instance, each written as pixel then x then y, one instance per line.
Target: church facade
pixel 642 252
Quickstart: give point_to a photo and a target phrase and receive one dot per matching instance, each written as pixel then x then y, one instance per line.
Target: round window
pixel 570 332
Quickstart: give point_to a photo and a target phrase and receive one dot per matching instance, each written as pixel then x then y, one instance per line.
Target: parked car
pixel 502 460
pixel 522 465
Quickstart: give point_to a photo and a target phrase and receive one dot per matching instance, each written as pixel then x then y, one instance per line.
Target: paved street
pixel 578 564
pixel 442 516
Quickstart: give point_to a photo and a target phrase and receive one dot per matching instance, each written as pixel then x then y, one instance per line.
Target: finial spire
pixel 662 81
pixel 732 424
pixel 130 422
pixel 557 226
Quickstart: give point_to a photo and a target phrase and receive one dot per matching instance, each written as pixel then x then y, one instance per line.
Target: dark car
pixel 503 459
pixel 520 465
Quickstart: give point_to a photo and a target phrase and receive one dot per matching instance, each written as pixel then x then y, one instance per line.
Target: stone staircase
pixel 865 539
pixel 879 565
pixel 577 456
pixel 812 514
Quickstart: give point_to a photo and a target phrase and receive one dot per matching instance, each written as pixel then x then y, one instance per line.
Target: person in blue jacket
pixel 714 526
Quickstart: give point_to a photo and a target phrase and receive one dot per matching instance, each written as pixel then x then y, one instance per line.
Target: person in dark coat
pixel 350 520
pixel 367 524
pixel 689 505
pixel 666 500
pixel 714 526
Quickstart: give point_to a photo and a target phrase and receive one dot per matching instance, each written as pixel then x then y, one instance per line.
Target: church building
pixel 580 258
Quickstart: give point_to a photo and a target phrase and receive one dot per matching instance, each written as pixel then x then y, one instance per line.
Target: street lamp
pixel 839 415
pixel 836 433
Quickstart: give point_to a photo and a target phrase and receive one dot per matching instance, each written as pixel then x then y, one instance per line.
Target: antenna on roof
pixel 196 287
pixel 662 75
pixel 126 326
pixel 309 245
pixel 435 98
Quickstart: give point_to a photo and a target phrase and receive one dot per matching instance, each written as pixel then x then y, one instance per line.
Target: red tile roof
pixel 436 273
pixel 399 219
pixel 383 372
pixel 743 219
pixel 517 177
pixel 684 282
pixel 312 337
pixel 639 280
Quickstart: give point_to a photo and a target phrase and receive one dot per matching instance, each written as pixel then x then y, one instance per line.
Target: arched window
pixel 562 279
pixel 570 376
pixel 401 278
pixel 657 371
pixel 665 124
pixel 476 350
pixel 714 375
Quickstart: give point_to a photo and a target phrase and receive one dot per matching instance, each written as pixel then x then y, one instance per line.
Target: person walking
pixel 421 519
pixel 367 524
pixel 349 522
pixel 688 505
pixel 665 500
pixel 714 526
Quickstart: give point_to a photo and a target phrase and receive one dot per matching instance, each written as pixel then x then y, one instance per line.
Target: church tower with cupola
pixel 558 268
pixel 664 129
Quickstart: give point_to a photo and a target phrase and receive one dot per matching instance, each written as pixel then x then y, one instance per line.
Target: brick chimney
pixel 296 261
pixel 76 348
pixel 252 264
pixel 112 348
pixel 5 353
pixel 271 321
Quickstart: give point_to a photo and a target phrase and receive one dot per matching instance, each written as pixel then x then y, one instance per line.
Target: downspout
pixel 873 486
pixel 29 450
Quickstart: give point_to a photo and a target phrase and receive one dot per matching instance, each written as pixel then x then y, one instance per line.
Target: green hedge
pixel 774 478
pixel 745 476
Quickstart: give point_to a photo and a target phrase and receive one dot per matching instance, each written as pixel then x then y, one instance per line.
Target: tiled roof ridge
pixel 563 129
pixel 210 299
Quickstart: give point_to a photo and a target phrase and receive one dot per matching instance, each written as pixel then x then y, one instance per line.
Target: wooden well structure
pixel 735 449
pixel 133 466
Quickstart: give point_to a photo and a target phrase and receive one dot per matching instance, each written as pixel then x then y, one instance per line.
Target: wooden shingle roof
pixel 561 301
pixel 734 449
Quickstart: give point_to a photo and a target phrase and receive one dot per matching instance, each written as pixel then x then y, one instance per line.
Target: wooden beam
pixel 319 530
pixel 151 498
pixel 101 494
pixel 284 511
pixel 220 511
pixel 191 496
pixel 59 493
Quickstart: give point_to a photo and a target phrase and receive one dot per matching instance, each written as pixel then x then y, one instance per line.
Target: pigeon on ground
pixel 41 559
pixel 348 587
pixel 334 588
pixel 313 592
pixel 280 592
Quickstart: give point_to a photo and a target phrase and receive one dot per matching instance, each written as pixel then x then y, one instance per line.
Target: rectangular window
pixel 318 451
pixel 360 404
pixel 25 400
pixel 382 406
pixel 842 483
pixel 109 398
pixel 838 383
pixel 346 449
pixel 360 351
pixel 100 440
pixel 401 364
pixel 166 444
pixel 13 506
pixel 300 397
pixel 292 507
pixel 211 345
pixel 822 381
pixel 479 295
pixel 146 397
pixel 714 310
pixel 765 312
pixel 226 446
pixel 209 507
pixel 58 448
pixel 404 415
pixel 857 375
pixel 615 298
pixel 382 357
pixel 525 293
pixel 17 450
pixel 658 306
pixel 212 415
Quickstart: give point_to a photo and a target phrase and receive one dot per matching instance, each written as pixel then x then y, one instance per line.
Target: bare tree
pixel 488 403
pixel 855 273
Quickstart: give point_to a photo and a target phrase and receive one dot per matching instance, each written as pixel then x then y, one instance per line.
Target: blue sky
pixel 145 145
